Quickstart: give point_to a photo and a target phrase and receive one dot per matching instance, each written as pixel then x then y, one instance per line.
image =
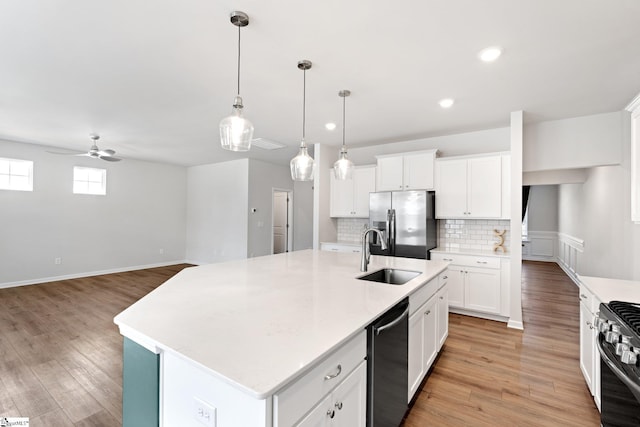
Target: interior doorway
pixel 281 240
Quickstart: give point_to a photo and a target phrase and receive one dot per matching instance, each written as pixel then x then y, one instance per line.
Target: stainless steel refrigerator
pixel 408 222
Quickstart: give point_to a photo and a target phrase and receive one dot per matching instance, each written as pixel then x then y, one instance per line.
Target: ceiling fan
pixel 94 151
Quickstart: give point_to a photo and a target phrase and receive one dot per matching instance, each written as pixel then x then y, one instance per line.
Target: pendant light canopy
pixel 236 131
pixel 343 167
pixel 302 165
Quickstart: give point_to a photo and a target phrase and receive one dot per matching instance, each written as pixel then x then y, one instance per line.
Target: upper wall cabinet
pixel 634 108
pixel 406 171
pixel 473 187
pixel 350 198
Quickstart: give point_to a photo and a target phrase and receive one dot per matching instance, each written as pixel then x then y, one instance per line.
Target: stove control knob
pixel 603 326
pixel 621 348
pixel 629 357
pixel 615 327
pixel 612 337
pixel 626 339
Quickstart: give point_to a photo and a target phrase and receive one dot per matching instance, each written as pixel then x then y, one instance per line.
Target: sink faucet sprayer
pixel 364 261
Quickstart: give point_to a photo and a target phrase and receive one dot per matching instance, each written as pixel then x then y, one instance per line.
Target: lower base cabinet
pixel 589 355
pixel 343 407
pixel 428 329
pixel 477 283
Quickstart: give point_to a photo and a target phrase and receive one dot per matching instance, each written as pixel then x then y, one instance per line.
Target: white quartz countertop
pixel 474 252
pixel 612 289
pixel 260 322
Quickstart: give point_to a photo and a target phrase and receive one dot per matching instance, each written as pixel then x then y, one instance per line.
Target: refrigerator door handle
pixel 392 230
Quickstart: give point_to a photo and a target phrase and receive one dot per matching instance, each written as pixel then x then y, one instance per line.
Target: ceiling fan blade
pixel 107 152
pixel 73 153
pixel 110 158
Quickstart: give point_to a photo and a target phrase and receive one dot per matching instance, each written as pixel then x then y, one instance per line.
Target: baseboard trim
pixel 479 314
pixel 515 324
pixel 88 274
pixel 572 275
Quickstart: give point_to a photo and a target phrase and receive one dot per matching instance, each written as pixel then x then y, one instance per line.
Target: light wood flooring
pixel 489 375
pixel 61 356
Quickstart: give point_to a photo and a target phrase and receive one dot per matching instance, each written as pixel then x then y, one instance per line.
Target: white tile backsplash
pixel 351 229
pixel 474 234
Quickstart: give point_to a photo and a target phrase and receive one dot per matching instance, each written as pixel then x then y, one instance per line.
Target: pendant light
pixel 302 165
pixel 343 167
pixel 236 131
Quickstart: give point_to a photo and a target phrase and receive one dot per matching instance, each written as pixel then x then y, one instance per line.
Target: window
pixel 89 180
pixel 16 174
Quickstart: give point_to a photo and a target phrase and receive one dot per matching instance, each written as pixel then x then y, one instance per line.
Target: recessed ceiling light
pixel 330 126
pixel 490 54
pixel 446 103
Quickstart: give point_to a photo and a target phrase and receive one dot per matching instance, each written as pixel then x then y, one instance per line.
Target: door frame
pixel 289 230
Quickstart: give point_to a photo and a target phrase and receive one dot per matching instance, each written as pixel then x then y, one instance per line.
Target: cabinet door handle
pixel 481 262
pixel 331 413
pixel 332 376
pixel 338 405
pixel 447 259
pixel 582 296
pixel 441 297
pixel 445 277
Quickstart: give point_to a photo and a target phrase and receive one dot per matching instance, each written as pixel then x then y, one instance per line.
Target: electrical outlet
pixel 204 413
pixel 57 261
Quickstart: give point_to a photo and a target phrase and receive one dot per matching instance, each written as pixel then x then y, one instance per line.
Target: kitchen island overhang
pixel 257 324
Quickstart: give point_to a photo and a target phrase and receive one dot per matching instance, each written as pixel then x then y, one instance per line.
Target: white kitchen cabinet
pixel 634 109
pixel 406 171
pixel 350 197
pixel 341 247
pixel 428 328
pixel 470 187
pixel 344 406
pixel 589 355
pixel 475 283
pixel 443 309
pixel 338 381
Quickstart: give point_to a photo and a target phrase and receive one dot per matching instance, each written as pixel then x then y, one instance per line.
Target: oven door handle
pixel 635 389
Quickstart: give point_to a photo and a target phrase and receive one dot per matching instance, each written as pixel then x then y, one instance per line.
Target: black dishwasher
pixel 387 376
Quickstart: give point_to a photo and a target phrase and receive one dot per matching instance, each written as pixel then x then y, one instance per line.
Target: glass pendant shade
pixel 343 167
pixel 302 165
pixel 236 132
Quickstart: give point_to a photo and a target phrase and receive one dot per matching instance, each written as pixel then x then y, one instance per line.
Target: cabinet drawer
pixel 422 295
pixel 443 278
pixel 586 297
pixel 468 260
pixel 338 247
pixel 298 398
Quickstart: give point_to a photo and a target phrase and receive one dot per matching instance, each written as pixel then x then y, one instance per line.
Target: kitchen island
pixel 230 336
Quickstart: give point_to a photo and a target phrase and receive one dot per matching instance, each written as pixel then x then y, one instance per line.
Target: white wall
pixel 485 141
pixel 263 179
pixel 217 206
pixel 324 227
pixel 581 142
pixel 543 208
pixel 302 215
pixel 142 214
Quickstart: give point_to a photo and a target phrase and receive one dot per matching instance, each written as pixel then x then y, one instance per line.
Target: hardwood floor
pixel 61 356
pixel 61 353
pixel 489 375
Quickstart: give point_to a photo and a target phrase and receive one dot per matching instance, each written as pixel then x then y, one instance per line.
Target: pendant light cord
pixel 304 103
pixel 344 125
pixel 238 61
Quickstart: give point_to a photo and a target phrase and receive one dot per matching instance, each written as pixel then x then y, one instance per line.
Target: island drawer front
pixel 586 297
pixel 422 295
pixel 443 278
pixel 468 260
pixel 293 402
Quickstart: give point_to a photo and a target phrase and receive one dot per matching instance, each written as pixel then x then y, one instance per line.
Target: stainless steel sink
pixel 391 276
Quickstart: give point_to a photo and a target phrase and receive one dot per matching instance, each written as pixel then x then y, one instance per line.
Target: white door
pixel 280 226
pixel 485 187
pixel 350 399
pixel 451 189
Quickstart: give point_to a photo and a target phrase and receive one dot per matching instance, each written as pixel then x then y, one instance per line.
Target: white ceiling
pixel 154 78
